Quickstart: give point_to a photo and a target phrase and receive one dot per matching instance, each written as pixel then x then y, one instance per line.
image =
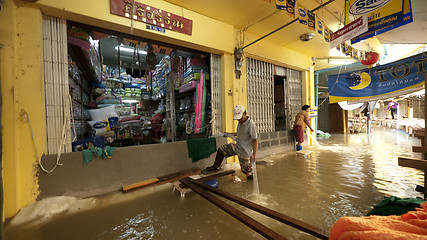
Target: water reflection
pixel 346 175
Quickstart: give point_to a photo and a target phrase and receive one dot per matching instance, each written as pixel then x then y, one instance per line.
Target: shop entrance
pixel 125 90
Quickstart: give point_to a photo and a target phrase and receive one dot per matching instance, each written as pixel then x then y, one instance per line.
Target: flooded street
pixel 346 176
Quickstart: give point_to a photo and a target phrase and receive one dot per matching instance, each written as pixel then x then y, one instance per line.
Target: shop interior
pixel 129 91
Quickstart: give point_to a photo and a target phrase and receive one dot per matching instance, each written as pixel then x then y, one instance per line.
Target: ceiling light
pixel 341 61
pixel 130 101
pixel 131 50
pixel 306 37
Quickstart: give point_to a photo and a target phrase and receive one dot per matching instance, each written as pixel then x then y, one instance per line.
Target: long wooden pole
pixel 245 219
pixel 263 210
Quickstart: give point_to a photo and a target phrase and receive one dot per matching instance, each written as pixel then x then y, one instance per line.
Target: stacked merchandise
pixel 84 69
pixel 160 78
pixel 192 99
pixel 78 121
pixel 132 91
pixel 192 74
pixel 120 88
pixel 196 75
pixel 87 52
pixel 103 122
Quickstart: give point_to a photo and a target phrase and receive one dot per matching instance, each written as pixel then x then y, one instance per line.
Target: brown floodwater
pixel 346 175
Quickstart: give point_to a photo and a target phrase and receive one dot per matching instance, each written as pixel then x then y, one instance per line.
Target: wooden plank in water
pixel 413 163
pixel 217 175
pixel 418 164
pixel 419 149
pixel 161 180
pixel 419 135
pixel 265 211
pixel 140 184
pixel 245 219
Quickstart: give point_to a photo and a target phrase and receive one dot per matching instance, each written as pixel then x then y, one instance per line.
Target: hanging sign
pixel 302 11
pixel 290 7
pixel 311 20
pixel 281 4
pixel 319 26
pixel 312 112
pixel 349 31
pixel 326 34
pixel 380 82
pixel 152 16
pixel 383 15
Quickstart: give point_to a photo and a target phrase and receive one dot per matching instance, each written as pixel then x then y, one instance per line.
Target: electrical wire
pixel 26 117
pixel 329 92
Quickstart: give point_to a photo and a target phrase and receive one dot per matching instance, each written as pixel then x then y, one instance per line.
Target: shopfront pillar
pixel 21 63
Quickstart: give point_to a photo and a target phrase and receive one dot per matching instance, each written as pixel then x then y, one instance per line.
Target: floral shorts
pixel 229 150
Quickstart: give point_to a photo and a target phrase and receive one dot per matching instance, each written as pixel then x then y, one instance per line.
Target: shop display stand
pixel 80 90
pixel 170 108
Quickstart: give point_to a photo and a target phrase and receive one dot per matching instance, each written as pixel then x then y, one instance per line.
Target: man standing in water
pixel 301 120
pixel 246 145
pixel 392 106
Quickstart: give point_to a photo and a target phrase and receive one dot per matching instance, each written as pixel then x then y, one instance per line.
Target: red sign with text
pixel 151 15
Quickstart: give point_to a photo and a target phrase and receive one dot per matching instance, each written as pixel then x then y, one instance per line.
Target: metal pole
pixel 287 24
pixel 1 161
pixel 316 100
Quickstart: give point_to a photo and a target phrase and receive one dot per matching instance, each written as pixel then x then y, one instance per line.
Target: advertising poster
pixel 383 15
pixel 400 77
pixel 302 11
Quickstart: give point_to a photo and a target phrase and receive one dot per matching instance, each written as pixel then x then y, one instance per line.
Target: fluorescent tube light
pixel 129 101
pixel 341 61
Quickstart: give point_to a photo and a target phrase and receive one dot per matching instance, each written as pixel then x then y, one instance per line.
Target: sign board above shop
pixel 151 15
pixel 383 15
pixel 349 31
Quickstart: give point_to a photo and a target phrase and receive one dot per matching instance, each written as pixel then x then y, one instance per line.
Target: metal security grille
pixel 216 103
pixel 323 114
pixel 294 81
pixel 260 77
pixel 57 95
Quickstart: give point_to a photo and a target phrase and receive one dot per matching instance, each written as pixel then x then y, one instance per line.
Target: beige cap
pixel 238 112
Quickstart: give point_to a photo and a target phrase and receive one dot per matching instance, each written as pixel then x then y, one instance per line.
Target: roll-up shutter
pixel 216 103
pixel 260 77
pixel 56 85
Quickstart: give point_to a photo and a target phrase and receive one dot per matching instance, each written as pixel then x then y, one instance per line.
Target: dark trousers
pixel 393 111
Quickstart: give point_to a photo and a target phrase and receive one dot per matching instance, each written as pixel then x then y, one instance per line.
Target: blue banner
pixel 380 82
pixel 383 15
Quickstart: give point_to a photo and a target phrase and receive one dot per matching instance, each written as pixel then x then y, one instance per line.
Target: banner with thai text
pixel 393 79
pixel 383 15
pixel 349 31
pixel 151 15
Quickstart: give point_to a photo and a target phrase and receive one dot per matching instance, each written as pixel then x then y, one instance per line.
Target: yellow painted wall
pixel 21 73
pixel 21 69
pixel 97 13
pixel 276 54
